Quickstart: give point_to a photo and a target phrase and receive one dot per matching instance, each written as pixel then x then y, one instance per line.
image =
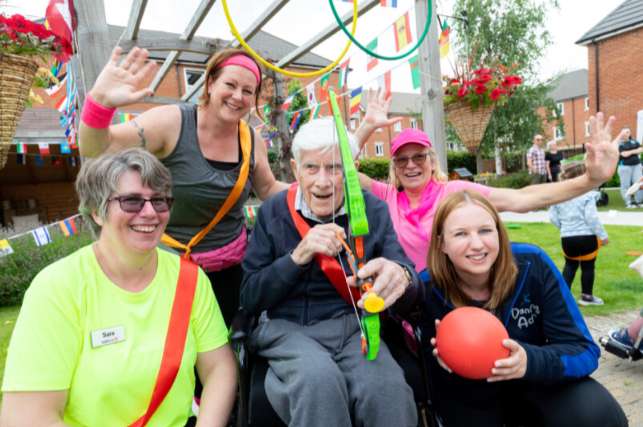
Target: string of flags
pixel 42 235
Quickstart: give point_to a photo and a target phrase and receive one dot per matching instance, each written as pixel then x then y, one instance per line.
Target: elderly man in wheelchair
pixel 317 290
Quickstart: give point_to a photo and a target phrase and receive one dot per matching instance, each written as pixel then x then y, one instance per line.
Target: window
pixel 587 103
pixel 354 123
pixel 586 127
pixel 191 76
pixel 558 133
pixel 414 123
pixel 379 149
pixel 561 108
pixel 397 127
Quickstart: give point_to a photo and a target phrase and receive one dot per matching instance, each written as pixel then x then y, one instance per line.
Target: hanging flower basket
pixel 17 73
pixel 469 124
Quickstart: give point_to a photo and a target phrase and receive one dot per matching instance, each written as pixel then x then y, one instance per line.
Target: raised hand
pixel 377 106
pixel 120 82
pixel 602 150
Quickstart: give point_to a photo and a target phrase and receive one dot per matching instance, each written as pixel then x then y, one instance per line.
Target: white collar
pixel 300 205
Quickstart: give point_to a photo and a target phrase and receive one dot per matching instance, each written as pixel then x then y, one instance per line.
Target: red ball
pixel 469 341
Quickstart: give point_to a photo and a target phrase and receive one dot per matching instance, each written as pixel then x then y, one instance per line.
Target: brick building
pixel 615 60
pixel 46 188
pixel 572 106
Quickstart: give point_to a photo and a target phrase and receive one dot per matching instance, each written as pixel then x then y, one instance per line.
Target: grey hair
pixel 550 143
pixel 319 134
pixel 98 179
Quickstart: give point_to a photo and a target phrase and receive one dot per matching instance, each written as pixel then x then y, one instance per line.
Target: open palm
pixel 602 150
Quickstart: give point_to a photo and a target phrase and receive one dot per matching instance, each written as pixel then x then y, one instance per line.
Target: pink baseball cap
pixel 410 136
pixel 245 62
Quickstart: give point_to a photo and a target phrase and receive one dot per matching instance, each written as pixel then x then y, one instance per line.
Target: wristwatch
pixel 408 275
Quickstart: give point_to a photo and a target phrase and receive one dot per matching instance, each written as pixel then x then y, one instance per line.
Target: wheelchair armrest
pixel 241 326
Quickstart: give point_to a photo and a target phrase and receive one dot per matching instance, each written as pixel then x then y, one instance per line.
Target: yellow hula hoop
pixel 267 64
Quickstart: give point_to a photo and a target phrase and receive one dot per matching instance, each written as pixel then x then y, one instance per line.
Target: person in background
pixel 203 147
pixel 629 168
pixel 582 234
pixel 417 184
pixel 553 157
pixel 91 334
pixel 536 163
pixel 545 379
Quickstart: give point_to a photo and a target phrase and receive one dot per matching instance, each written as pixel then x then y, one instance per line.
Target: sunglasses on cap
pixel 134 204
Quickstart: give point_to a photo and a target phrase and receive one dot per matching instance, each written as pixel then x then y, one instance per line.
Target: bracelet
pixel 95 115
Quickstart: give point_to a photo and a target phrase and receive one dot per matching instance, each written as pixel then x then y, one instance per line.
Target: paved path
pixel 623 378
pixel 610 217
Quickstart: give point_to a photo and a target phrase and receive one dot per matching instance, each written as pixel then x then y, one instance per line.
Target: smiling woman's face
pixel 413 166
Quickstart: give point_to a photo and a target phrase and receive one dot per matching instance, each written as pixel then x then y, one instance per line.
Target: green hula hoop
pixel 374 54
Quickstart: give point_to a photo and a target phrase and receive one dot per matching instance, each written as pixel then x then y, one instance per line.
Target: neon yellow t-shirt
pixel 110 384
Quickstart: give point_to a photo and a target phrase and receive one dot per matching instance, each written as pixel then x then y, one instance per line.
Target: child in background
pixel 581 235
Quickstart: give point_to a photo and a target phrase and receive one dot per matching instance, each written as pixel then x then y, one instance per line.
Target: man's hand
pixel 390 281
pixel 513 367
pixel 602 150
pixel 321 239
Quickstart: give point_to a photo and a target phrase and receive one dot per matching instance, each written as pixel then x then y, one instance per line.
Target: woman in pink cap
pixel 214 157
pixel 417 185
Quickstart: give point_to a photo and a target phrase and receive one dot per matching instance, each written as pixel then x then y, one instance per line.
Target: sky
pixel 300 20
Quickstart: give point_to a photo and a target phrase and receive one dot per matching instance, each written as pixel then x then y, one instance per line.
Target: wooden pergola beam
pixel 325 34
pixel 135 18
pixel 203 47
pixel 188 34
pixel 252 31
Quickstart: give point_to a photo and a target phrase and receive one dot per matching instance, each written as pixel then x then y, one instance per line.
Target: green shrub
pixel 512 180
pixel 615 181
pixel 513 161
pixel 18 269
pixel 461 159
pixel 375 168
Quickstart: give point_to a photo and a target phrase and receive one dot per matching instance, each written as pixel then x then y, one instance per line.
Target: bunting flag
pixel 356 98
pixel 21 148
pixel 5 247
pixel 372 61
pixel 443 40
pixel 53 91
pixel 71 161
pixel 125 117
pixel 250 212
pixel 38 161
pixel 286 105
pixel 64 147
pixel 402 32
pixel 41 236
pixel 295 120
pixel 315 111
pixel 384 82
pixel 343 74
pixel 388 3
pixel 415 72
pixel 310 89
pixel 43 148
pixel 266 113
pixel 68 226
pixel 324 83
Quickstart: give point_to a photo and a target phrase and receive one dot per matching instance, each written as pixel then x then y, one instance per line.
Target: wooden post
pixel 431 78
pixel 94 46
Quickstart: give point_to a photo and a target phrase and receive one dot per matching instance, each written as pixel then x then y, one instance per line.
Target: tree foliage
pixel 512 33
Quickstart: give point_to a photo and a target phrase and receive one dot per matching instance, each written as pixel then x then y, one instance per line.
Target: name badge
pixel 101 337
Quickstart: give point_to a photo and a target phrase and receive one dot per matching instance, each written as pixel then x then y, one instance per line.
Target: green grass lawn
pixel 616 202
pixel 8 317
pixel 620 287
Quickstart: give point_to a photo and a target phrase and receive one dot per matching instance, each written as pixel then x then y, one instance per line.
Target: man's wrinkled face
pixel 320 177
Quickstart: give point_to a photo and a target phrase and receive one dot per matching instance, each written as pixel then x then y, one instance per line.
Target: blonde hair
pixel 213 70
pixel 436 171
pixel 502 277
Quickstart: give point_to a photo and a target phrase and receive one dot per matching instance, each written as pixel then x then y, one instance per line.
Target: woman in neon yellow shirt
pixel 90 339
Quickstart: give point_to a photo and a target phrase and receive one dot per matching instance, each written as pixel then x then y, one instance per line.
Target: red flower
pixel 496 93
pixel 482 71
pixel 462 91
pixel 482 79
pixel 481 89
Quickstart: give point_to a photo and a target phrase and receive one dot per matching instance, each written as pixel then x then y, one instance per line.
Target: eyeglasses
pixel 418 159
pixel 134 204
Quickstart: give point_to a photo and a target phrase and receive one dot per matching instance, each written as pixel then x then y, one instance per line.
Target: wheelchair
pixel 624 352
pixel 253 408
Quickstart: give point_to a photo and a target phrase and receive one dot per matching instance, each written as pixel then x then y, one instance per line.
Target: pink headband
pixel 245 62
